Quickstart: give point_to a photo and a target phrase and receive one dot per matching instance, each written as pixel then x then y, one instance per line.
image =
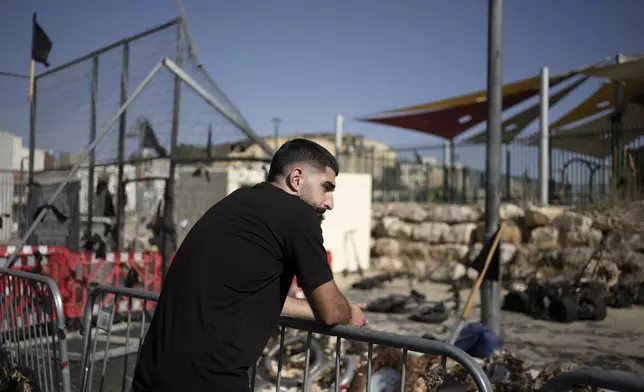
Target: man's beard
pixel 320 212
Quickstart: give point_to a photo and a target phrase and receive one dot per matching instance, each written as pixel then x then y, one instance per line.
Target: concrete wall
pixel 350 217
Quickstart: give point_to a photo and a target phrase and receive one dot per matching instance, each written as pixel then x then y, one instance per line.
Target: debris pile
pixel 16 378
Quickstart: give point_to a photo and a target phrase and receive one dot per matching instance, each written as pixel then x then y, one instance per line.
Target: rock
pixel 409 212
pixel 387 264
pixel 460 233
pixel 511 233
pixel 624 240
pixel 430 232
pixel 388 247
pixel 607 272
pixel 447 252
pixel 511 211
pixel 575 258
pixel 447 272
pixel 508 251
pixel 541 216
pixel 577 230
pixel 544 236
pixel 394 228
pixel 452 213
pixel 416 250
pixel 631 267
pixel 378 210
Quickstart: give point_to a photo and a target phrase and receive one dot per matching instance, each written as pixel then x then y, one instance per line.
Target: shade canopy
pixel 593 138
pixel 516 124
pixel 602 99
pixel 450 117
pixel 632 69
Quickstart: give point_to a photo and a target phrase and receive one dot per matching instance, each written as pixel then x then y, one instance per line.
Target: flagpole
pixel 32 68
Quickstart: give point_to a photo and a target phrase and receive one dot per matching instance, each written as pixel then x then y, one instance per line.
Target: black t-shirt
pixel 225 289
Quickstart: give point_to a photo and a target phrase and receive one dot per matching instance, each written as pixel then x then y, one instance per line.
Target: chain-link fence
pixel 148 100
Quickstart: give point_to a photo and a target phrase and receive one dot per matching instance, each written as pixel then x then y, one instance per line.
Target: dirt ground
pixel 616 343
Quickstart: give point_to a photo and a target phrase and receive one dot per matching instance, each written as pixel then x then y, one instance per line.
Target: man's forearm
pixel 298 308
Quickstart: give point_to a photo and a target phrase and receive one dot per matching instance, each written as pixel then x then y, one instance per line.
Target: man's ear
pixel 294 179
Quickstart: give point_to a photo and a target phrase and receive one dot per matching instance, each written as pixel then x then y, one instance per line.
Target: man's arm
pixel 298 308
pixel 329 305
pixel 305 247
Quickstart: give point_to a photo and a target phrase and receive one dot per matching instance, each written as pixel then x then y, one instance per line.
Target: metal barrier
pixel 32 327
pixel 610 380
pixel 108 333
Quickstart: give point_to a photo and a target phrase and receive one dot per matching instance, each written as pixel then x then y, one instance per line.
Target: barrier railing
pixel 32 328
pixel 107 333
pixel 607 380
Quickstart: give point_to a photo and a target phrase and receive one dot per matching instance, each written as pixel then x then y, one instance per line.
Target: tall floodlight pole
pixel 544 149
pixel 276 131
pixel 490 290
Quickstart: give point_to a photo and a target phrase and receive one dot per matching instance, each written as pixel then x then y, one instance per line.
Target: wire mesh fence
pixel 584 168
pixel 179 116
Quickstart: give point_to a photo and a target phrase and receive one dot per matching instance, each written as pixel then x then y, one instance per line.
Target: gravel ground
pixel 615 343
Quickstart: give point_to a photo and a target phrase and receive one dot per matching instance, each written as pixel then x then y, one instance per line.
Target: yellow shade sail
pixel 514 125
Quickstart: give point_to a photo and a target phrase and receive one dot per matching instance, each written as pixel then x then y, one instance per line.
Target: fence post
pixel 120 197
pixel 168 234
pixel 92 154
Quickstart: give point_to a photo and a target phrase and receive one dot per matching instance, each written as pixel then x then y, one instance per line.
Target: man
pixel 229 280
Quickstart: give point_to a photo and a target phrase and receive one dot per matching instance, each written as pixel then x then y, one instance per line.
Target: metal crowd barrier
pixel 102 299
pixel 32 328
pixel 607 380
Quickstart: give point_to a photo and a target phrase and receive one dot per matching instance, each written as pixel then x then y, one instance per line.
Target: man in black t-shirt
pixel 229 280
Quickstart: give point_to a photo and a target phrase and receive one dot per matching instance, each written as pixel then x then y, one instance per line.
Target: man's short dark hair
pixel 301 151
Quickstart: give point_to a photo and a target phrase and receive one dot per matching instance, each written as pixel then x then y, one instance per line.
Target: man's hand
pixel 358 318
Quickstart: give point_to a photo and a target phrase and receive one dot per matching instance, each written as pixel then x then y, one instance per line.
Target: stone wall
pixel 440 241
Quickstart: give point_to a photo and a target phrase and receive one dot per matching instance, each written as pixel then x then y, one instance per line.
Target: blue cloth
pixel 478 340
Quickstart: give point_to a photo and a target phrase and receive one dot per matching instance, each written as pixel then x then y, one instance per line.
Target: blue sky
pixel 306 61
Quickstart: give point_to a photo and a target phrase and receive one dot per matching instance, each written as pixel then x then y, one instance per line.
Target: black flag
pixel 494 269
pixel 150 139
pixel 40 44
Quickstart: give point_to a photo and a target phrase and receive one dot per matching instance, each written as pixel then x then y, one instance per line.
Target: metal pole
pixel 339 122
pixel 168 235
pixel 276 131
pixel 32 152
pixel 447 163
pixel 14 256
pixel 508 171
pixel 214 102
pixel 120 197
pixel 490 290
pixel 544 161
pixel 92 155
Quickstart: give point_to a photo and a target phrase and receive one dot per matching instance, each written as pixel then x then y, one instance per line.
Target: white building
pixel 13 152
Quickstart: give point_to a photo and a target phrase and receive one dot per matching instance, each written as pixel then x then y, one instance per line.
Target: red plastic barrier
pixel 21 304
pixel 75 273
pixel 140 270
